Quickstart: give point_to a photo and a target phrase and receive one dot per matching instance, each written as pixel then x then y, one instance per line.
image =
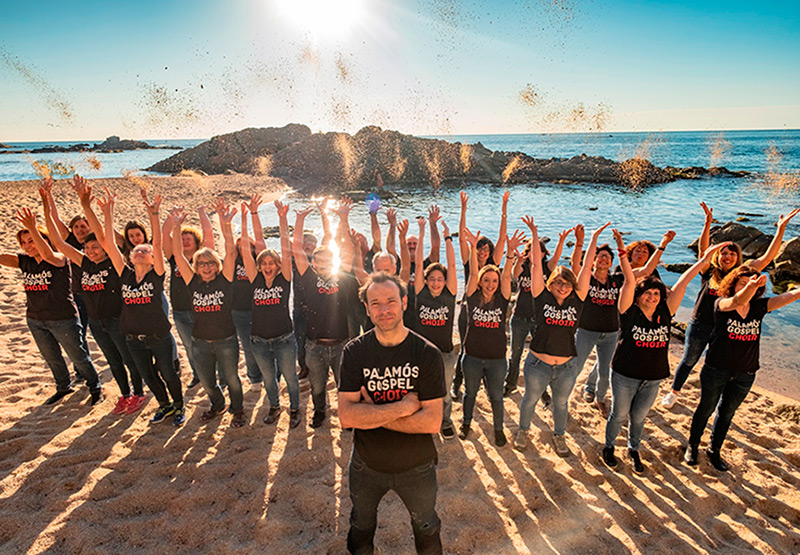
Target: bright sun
pixel 329 18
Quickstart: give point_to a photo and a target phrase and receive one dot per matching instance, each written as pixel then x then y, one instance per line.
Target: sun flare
pixel 323 18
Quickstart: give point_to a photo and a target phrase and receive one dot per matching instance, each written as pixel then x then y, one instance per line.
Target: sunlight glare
pixel 331 18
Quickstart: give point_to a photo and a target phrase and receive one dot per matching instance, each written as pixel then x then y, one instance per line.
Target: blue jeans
pixel 605 342
pixel 631 399
pixel 243 321
pixel 108 337
pixel 50 336
pixel 520 329
pixel 184 323
pixel 273 356
pixel 698 335
pixel 222 354
pixel 161 377
pixel 416 488
pixel 319 359
pixel 494 372
pixel 538 375
pixel 449 360
pixel 725 391
pixel 299 318
pixel 83 315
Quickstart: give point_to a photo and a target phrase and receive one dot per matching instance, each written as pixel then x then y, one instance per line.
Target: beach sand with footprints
pixel 81 480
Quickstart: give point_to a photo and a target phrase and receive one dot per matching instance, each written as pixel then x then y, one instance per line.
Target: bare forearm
pixel 425 421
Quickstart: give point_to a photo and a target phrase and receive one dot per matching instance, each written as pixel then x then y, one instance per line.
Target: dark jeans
pixel 520 329
pixel 83 315
pixel 725 391
pixel 319 359
pixel 458 377
pixel 299 322
pixel 222 354
pixel 243 321
pixel 631 400
pixel 50 336
pixel 493 372
pixel 112 343
pixel 416 488
pixel 698 335
pixel 162 376
pixel 274 356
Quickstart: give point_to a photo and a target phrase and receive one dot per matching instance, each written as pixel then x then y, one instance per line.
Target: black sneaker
pixel 57 396
pixel 546 400
pixel 690 455
pixel 500 438
pixel 464 433
pixel 448 432
pixel 194 383
pixel 318 419
pixel 162 413
pixel 97 396
pixel 638 467
pixel 294 418
pixel 272 416
pixel 179 417
pixel 608 457
pixel 716 460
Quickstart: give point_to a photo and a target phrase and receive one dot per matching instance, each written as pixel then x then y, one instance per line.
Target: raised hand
pixel 708 211
pixel 580 233
pixel 107 204
pixel 618 239
pixel 516 240
pixel 402 228
pixel 667 239
pixel 528 221
pixel 709 252
pixel 506 196
pixel 178 216
pixel 224 211
pixel 255 202
pixel 152 207
pixel 464 199
pixel 433 214
pixel 445 229
pixel 244 209
pixel 344 207
pixel 26 218
pixel 471 239
pixel 421 222
pixel 783 221
pixel 82 188
pixel 47 184
pixel 391 217
pixel 599 230
pixel 283 209
pixel 757 281
pixel 563 235
pixel 322 204
pixel 303 212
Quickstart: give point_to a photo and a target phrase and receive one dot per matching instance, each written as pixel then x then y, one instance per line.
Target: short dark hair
pixel 605 247
pixel 381 277
pixel 91 237
pixel 650 282
pixel 435 267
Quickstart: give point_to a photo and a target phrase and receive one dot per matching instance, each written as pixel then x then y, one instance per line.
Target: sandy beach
pixel 75 479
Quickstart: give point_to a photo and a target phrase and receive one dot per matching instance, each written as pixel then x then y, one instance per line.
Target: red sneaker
pixel 122 405
pixel 135 404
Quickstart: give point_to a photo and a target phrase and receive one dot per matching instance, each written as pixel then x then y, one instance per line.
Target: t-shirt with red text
pixel 101 289
pixel 242 288
pixel 389 374
pixel 434 317
pixel 735 339
pixel 48 292
pixel 600 312
pixel 524 306
pixel 486 326
pixel 211 307
pixel 556 324
pixel 326 300
pixel 142 309
pixel 270 307
pixel 704 305
pixel 642 351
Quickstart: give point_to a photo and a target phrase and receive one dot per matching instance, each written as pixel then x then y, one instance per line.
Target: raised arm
pixel 206 228
pixel 63 230
pixel 343 229
pixel 84 192
pixel 577 252
pixel 405 254
pixel 585 275
pixel 652 262
pixel 562 238
pixel 226 214
pixel 512 254
pixel 286 241
pixel 499 248
pixel 419 271
pixel 258 231
pixel 114 254
pixel 629 286
pixel 744 295
pixel 763 261
pixel 155 225
pixel 774 303
pixel 675 296
pixel 705 235
pixel 322 207
pixel 300 259
pixel 177 216
pixel 74 255
pixel 167 239
pixel 28 221
pixel 472 246
pixel 247 252
pixel 463 244
pixel 436 240
pixel 391 246
pixel 537 276
pixel 375 228
pixel 357 265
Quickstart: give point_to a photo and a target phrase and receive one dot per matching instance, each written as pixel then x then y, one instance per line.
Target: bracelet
pixel 448 238
pixel 622 253
pixel 504 216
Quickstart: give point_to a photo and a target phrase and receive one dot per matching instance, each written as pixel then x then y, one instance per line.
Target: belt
pixel 142 338
pixel 327 342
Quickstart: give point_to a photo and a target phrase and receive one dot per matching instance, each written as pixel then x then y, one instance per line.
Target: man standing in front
pixel 391 392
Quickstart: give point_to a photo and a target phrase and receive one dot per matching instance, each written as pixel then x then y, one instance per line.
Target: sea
pixel 771 156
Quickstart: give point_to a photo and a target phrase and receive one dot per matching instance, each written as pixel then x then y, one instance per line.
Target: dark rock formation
pixel 80 147
pixel 754 243
pixel 786 266
pixel 696 172
pixel 239 151
pixel 677 268
pixel 3 145
pixel 111 144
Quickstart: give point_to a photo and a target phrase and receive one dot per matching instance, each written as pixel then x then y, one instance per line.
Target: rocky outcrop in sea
pixel 111 144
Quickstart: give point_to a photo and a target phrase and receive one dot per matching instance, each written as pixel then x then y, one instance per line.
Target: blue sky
pixel 146 69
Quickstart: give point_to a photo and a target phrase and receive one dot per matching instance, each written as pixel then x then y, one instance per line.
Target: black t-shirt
pixel 327 303
pixel 298 303
pixel 524 306
pixel 434 317
pixel 211 306
pixel 735 340
pixel 48 292
pixel 704 305
pixel 600 306
pixel 101 288
pixel 73 242
pixel 270 307
pixel 642 351
pixel 242 288
pixel 142 308
pixel 388 374
pixel 555 324
pixel 179 296
pixel 486 326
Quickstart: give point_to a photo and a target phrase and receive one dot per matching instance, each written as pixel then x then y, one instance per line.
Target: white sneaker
pixel 669 400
